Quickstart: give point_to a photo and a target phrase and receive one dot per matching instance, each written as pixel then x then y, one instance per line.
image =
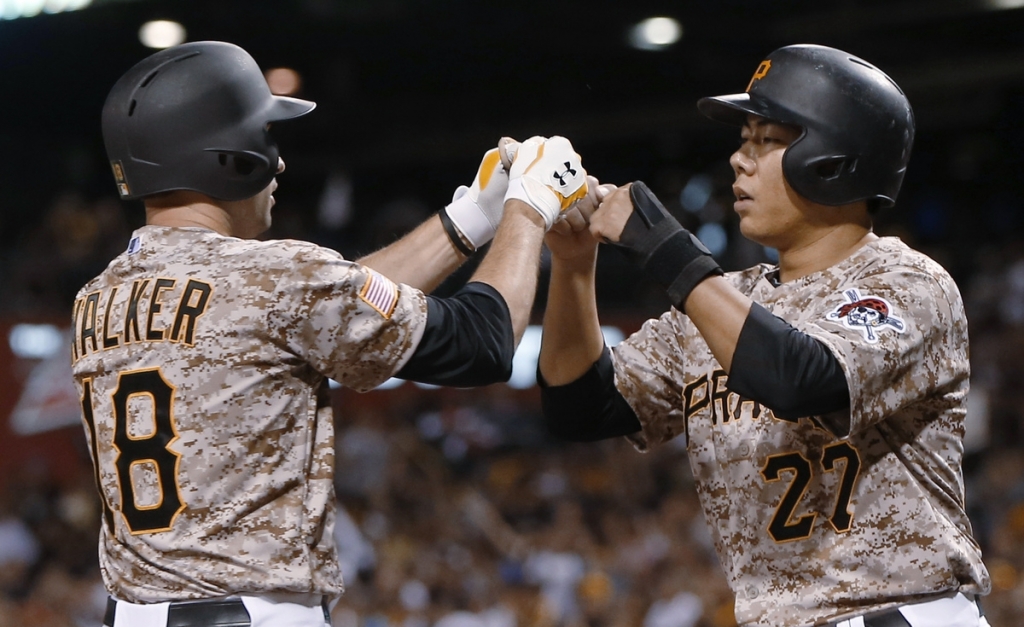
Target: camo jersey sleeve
pixel 350 322
pixel 896 323
pixel 649 373
pixel 660 371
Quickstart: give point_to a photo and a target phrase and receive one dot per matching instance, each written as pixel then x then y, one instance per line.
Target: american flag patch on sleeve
pixel 380 293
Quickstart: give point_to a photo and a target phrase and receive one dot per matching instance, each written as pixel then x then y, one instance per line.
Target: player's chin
pixel 757 232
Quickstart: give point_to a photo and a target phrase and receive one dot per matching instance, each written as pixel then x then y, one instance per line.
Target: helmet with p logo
pixel 857 125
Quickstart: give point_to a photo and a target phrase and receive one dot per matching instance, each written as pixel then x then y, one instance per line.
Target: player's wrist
pixel 469 218
pixel 578 263
pixel 516 208
pixel 542 200
pixel 455 237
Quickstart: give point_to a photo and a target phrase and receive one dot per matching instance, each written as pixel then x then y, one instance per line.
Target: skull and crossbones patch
pixel 867 314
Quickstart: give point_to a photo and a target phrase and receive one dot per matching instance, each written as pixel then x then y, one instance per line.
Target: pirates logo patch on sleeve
pixel 380 293
pixel 868 314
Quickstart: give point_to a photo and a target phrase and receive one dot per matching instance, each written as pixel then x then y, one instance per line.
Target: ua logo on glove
pixel 569 170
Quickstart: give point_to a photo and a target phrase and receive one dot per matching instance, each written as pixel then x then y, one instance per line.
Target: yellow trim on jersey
pixel 155 465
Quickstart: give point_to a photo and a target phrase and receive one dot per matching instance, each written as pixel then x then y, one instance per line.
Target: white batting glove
pixel 476 210
pixel 547 175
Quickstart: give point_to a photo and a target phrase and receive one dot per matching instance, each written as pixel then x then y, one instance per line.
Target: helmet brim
pixel 734 108
pixel 285 108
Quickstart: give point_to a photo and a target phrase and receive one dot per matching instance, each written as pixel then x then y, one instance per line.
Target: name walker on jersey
pixel 128 313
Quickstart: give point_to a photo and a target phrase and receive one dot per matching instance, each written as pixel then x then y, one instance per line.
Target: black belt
pixel 890 618
pixel 227 612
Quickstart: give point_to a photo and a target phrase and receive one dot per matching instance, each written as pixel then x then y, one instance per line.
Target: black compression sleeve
pixel 788 371
pixel 590 408
pixel 467 342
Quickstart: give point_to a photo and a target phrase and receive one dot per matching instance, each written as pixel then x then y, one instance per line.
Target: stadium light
pixel 998 5
pixel 161 34
pixel 283 81
pixel 14 9
pixel 35 341
pixel 655 33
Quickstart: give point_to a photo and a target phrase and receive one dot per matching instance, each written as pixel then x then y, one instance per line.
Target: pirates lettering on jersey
pixel 866 314
pixel 711 390
pixel 102 320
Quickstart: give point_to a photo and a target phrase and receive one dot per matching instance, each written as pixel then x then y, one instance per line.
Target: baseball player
pixel 202 355
pixel 821 399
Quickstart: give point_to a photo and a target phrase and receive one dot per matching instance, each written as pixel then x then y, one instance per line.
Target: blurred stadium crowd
pixel 458 510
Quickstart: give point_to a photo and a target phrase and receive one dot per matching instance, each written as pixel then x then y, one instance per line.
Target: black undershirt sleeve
pixel 467 342
pixel 590 408
pixel 788 371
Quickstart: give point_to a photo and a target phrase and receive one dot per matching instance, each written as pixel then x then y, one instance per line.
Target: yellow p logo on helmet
pixel 759 73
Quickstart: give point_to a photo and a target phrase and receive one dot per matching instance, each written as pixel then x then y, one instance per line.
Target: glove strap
pixel 453 233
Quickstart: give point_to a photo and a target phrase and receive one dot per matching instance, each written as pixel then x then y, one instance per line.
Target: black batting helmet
pixel 858 127
pixel 195 117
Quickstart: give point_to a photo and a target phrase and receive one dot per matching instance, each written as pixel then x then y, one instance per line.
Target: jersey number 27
pixel 783 528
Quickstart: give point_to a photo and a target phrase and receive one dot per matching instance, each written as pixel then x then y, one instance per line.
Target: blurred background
pixel 457 509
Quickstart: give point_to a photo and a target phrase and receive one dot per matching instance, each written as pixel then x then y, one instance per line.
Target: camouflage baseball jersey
pixel 811 527
pixel 201 361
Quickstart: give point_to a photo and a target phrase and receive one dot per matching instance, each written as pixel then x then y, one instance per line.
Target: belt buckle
pixel 888 618
pixel 223 612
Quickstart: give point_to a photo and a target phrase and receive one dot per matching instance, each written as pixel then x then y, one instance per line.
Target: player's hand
pixel 570 237
pixel 476 210
pixel 548 176
pixel 608 220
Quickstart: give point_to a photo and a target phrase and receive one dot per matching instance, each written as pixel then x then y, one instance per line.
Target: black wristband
pixel 669 254
pixel 453 233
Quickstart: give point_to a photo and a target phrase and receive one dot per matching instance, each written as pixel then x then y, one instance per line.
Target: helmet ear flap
pixel 833 168
pixel 816 172
pixel 241 163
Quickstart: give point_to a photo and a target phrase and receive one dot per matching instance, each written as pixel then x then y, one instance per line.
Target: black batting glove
pixel 666 252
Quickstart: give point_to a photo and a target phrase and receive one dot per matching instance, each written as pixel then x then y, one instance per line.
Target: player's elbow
pixel 787 404
pixel 494 365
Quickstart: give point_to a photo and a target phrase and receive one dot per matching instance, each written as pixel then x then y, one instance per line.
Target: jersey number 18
pixel 136 453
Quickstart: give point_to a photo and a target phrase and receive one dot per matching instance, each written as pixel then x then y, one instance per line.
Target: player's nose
pixel 280 165
pixel 741 162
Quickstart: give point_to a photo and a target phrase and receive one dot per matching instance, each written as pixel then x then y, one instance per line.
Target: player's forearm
pixel 512 263
pixel 423 258
pixel 572 339
pixel 718 310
